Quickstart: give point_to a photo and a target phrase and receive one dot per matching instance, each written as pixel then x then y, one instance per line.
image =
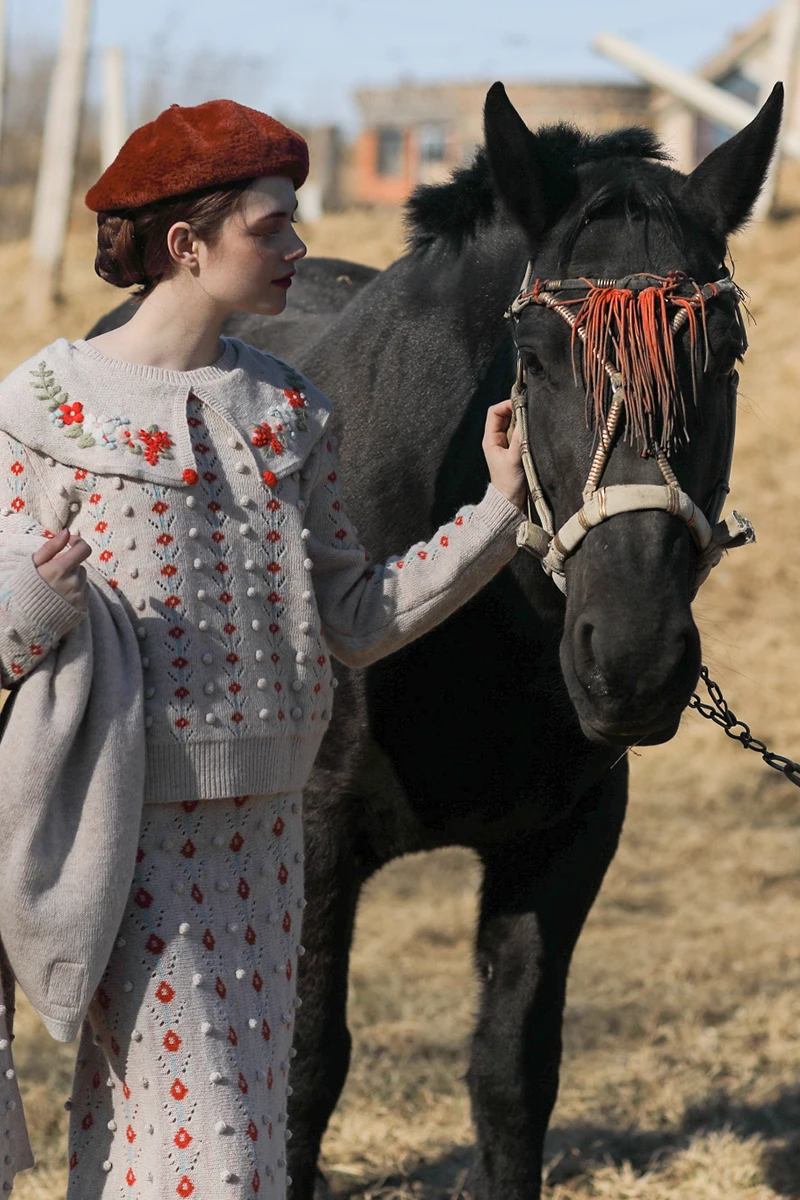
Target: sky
pixel 303 59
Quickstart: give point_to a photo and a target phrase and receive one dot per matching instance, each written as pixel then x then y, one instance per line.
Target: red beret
pixel 186 149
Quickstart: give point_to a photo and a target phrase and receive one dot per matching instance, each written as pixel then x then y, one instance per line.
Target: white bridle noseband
pixel 553 547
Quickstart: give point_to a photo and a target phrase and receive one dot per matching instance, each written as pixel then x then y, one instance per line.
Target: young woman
pixel 200 476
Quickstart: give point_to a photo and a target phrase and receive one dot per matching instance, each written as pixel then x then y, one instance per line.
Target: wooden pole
pixel 113 115
pixel 781 64
pixel 57 167
pixel 3 66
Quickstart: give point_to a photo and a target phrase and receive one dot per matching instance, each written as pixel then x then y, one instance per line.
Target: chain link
pixel 719 712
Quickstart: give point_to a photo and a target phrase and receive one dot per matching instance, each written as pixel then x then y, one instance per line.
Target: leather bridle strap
pixel 553 547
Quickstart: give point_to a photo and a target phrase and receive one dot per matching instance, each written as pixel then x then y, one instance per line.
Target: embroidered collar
pixel 88 410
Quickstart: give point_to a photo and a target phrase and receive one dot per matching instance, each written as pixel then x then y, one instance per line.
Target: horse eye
pixel 532 362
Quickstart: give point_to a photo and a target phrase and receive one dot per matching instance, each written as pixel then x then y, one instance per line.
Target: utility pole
pixel 113 114
pixel 781 64
pixel 57 166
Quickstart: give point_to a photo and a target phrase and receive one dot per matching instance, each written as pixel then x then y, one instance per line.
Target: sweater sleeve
pixel 33 617
pixel 370 611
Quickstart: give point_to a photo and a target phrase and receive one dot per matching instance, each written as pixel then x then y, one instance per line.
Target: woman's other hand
pixel 58 562
pixel 504 459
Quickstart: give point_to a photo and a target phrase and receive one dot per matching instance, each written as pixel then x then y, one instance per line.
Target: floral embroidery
pixel 276 435
pixel 108 432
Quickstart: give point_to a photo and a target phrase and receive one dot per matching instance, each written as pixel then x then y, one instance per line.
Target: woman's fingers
pixel 51 547
pixel 77 553
pixel 498 419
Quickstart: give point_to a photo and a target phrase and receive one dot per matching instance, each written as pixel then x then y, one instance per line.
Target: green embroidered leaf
pixel 52 405
pixel 85 441
pixel 134 448
pixel 74 431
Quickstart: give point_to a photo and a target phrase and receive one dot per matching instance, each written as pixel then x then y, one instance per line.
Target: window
pixel 390 151
pixel 432 143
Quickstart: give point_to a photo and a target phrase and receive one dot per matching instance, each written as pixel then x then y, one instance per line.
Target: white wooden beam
pixel 713 102
pixel 781 64
pixel 57 167
pixel 3 65
pixel 113 112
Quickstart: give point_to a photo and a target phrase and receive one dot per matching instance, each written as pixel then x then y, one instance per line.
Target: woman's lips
pixel 285 281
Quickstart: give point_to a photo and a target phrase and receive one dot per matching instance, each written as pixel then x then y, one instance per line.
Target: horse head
pixel 612 375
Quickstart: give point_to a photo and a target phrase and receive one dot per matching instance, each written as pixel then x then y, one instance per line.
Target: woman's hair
pixel 132 243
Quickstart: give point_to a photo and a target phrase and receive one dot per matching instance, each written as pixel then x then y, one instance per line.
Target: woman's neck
pixel 170 329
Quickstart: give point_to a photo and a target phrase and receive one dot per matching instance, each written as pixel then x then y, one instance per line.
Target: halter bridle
pixel 553 547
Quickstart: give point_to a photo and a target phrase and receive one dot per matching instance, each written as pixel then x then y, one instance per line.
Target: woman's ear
pixel 182 244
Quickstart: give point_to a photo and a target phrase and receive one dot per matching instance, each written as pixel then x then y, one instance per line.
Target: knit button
pixel 302 902
pixel 326 714
pixel 308 563
pixel 206 1027
pixel 148 722
pixel 292 1050
pixel 117 482
pixel 245 501
pixel 149 693
pixel 298 858
pixel 259 655
pixel 191 501
pixel 233 443
pixel 106 1166
pixel 222 1127
pixel 244 528
pixel 51 462
pixel 253 1024
pixel 334 681
pixel 305 627
pixel 215 1077
pixel 232 926
pixel 184 928
pixel 305 534
pixel 13 632
pixel 306 595
pixel 263 714
pixel 197 563
pixel 210 718
pixel 136 1035
pixel 273 918
pixel 112 1125
pixel 62 491
pixel 249 565
pixel 134 572
pixel 127 986
pixel 10 1073
pixel 241 468
pixel 130 543
pixel 301 951
pixel 128 510
pixel 255 625
pixel 218 840
pixel 74 508
pixel 202 626
pixel 207 658
pixel 223 885
pixel 193 532
pixel 141 605
pixel 297 713
pixel 240 973
pixel 227 1176
pixel 197 979
pixel 208 688
pixel 301 657
pixel 251 591
pixel 201 594
pixel 297 685
pixel 261 685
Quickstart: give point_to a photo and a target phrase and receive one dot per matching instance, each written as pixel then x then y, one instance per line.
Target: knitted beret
pixel 208 145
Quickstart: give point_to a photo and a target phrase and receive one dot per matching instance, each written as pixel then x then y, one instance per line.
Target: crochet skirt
pixel 182 1071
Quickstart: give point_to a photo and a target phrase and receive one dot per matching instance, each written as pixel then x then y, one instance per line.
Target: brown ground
pixel 682 1065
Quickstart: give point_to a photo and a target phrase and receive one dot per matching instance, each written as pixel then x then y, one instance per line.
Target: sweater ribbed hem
pixel 216 370
pixel 44 611
pixel 235 767
pixel 499 514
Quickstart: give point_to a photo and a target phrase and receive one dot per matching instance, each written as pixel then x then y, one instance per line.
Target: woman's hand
pixel 505 462
pixel 58 562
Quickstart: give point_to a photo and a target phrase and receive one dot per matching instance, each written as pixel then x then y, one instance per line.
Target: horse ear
pixel 514 162
pixel 725 186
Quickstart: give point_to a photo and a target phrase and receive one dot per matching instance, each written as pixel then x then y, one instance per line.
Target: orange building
pixel 418 134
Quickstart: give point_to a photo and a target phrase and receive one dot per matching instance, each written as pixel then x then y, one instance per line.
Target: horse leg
pixel 322 1039
pixel 537 893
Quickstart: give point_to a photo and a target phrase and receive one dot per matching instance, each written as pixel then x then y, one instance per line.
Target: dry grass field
pixel 681 1077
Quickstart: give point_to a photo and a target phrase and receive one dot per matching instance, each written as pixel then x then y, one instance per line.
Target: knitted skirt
pixel 181 1079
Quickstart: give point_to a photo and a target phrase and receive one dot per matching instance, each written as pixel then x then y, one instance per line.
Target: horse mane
pixel 455 210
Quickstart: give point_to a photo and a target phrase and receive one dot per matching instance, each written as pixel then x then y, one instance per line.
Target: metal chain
pixel 719 712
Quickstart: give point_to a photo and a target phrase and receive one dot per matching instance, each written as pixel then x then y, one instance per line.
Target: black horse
pixel 501 730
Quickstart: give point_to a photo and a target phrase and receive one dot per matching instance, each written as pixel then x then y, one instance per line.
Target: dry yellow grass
pixel 681 1078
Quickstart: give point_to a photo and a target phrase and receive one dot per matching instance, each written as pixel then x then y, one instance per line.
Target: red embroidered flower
pixel 189 805
pixel 233 1036
pixel 113 583
pixel 35 650
pixel 322 660
pixel 16 468
pixel 274 598
pixel 250 935
pixel 281 713
pixel 176 631
pixel 165 539
pixel 336 506
pixel 182 1138
pixel 185 1187
pixel 182 692
pixel 208 940
pixel 188 848
pixel 73 1161
pixel 95 498
pixel 266 1032
pixel 191 477
pixel 160 507
pixel 236 843
pixel 71 414
pixel 213 506
pixel 278 686
pixel 179 663
pixel 16 668
pixel 17 504
pixel 130 1178
pixel 225 597
pixel 444 540
pixel 235 688
pixel 283 874
pixel 173 601
pixel 209 477
pixel 232 658
pixel 87 1122
pixel 244 889
pixel 269 1079
pixel 155 944
pixel 400 565
pixel 196 894
pixel 287 921
pixel 182 722
pixel 229 628
pixel 243 1084
pixel 130 1133
pixel 252 1132
pixel 422 554
pixel 317 688
pixel 340 534
pixel 126 1091
pixel 222 991
pixel 164 992
pixel 333 477
pixel 289 969
pixel 179 1091
pixel 171 1041
pixel 194 422
pixel 237 718
pixel 169 570
pixel 278 827
pixel 274 627
pixel 101 527
pixel 256 1184
pixel 156 443
pixel 222 568
pixel 459 520
pixel 273 536
pixel 218 536
pixel 105 556
pixel 274 568
pixel 143 899
pixel 273 505
pixel 270 479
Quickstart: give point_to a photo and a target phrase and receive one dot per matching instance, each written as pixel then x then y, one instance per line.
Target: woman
pixel 206 488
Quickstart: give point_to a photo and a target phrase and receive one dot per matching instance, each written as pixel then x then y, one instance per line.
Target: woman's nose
pixel 299 251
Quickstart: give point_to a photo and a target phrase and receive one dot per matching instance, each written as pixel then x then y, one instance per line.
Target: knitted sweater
pixel 211 499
